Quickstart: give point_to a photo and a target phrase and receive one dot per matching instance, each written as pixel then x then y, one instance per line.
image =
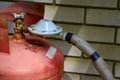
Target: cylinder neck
pixel 19 29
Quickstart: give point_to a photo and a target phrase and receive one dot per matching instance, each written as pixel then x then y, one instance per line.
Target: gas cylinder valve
pixel 17 27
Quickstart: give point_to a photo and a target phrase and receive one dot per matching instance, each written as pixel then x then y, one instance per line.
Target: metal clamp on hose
pixel 95 56
pixel 68 37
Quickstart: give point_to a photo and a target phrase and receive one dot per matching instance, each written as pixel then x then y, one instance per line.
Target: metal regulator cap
pixel 45 27
pixel 18 15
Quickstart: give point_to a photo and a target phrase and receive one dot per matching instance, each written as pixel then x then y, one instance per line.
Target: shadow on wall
pixel 67 77
pixel 64 14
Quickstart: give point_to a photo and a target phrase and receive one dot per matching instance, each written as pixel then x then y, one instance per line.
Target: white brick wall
pixel 91 33
pixel 108 51
pixel 103 17
pixel 117 69
pixel 98 34
pixel 65 14
pixel 85 77
pixel 90 3
pixel 68 76
pixel 84 66
pixel 118 36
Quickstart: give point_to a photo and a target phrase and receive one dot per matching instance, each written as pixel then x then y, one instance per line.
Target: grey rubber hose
pixel 98 61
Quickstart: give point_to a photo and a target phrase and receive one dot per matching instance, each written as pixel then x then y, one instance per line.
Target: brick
pixel 89 77
pixel 117 70
pixel 70 28
pixel 78 65
pixel 86 77
pixel 64 14
pixel 89 3
pixel 68 76
pixel 42 1
pixel 111 52
pixel 118 36
pixel 50 12
pixel 119 3
pixel 68 49
pixel 97 34
pixel 74 52
pixel 103 17
pixel 64 46
pixel 91 33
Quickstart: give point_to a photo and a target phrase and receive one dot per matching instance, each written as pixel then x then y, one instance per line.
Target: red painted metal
pixel 28 61
pixel 4 40
pixel 34 11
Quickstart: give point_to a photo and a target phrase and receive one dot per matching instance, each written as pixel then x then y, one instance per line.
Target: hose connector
pixel 68 37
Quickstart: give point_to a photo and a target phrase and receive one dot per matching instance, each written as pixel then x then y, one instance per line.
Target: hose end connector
pixel 68 36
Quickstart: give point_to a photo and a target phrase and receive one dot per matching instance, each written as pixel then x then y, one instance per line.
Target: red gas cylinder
pixel 32 59
pixel 27 58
